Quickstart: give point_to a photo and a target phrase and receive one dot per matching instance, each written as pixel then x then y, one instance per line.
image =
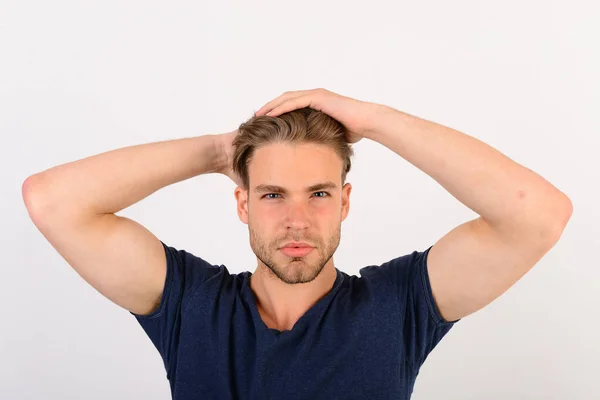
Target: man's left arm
pixel 522 215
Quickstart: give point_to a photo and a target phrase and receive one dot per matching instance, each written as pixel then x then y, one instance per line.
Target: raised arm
pixel 522 215
pixel 74 205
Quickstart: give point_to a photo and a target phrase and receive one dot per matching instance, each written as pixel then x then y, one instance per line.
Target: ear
pixel 241 196
pixel 346 189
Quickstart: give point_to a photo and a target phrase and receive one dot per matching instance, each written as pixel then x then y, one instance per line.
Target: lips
pixel 297 244
pixel 296 251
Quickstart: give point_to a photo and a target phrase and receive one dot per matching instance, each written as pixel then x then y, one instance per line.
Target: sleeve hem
pixel 166 289
pixel 433 310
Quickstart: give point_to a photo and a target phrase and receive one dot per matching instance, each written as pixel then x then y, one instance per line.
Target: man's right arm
pixel 74 205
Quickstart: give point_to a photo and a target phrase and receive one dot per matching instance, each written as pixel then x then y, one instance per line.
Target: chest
pixel 341 355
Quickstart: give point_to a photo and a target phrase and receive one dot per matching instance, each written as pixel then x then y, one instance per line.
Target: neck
pixel 281 304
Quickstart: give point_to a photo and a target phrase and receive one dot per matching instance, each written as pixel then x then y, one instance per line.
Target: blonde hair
pixel 304 125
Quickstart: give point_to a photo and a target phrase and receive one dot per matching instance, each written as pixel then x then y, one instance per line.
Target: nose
pixel 298 216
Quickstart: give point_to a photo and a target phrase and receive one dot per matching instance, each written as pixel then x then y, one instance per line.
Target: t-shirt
pixel 365 339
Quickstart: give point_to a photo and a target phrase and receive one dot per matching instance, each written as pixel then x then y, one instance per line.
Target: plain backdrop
pixel 80 78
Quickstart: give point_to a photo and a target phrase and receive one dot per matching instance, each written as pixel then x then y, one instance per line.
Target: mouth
pixel 299 251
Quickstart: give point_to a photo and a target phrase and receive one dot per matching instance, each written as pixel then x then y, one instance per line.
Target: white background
pixel 81 78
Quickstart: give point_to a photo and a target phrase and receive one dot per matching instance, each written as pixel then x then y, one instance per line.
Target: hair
pixel 304 125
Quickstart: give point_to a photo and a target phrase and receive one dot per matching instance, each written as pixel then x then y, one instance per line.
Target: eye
pixel 269 194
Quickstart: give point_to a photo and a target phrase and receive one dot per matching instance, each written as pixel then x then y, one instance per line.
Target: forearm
pixel 114 180
pixel 506 194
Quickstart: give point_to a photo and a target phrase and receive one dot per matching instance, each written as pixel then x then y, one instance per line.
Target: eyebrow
pixel 278 189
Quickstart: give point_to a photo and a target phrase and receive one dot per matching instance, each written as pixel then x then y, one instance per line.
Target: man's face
pixel 295 194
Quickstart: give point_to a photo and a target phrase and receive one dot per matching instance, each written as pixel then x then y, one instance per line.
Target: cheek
pixel 265 215
pixel 324 213
pixel 324 208
pixel 263 223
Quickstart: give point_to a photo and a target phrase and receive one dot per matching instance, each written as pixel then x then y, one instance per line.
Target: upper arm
pixel 473 264
pixel 120 258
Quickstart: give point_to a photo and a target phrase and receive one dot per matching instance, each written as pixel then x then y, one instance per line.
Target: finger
pixel 292 104
pixel 278 100
pixel 274 103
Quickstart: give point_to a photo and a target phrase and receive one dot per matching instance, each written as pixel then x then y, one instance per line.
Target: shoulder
pixel 189 271
pixel 398 269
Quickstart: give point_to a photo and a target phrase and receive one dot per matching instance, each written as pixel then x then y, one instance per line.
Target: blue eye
pixel 325 194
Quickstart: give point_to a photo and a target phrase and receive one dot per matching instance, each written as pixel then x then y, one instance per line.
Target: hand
pixel 356 116
pixel 225 148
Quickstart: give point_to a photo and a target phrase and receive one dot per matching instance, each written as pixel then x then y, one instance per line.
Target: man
pixel 298 328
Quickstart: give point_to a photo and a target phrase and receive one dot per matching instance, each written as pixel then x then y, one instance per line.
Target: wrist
pixel 224 151
pixel 385 119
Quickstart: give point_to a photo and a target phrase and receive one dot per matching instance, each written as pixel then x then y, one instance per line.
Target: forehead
pixel 295 166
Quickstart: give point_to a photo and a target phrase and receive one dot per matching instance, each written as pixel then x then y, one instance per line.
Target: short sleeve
pixel 423 325
pixel 185 274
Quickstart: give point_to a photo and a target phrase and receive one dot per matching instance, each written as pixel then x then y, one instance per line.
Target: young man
pixel 298 328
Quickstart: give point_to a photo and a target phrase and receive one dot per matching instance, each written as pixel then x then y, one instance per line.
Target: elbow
pixel 541 226
pixel 34 196
pixel 30 185
pixel 552 229
pixel 563 216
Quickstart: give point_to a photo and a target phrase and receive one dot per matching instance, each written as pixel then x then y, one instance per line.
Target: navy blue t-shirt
pixel 365 339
